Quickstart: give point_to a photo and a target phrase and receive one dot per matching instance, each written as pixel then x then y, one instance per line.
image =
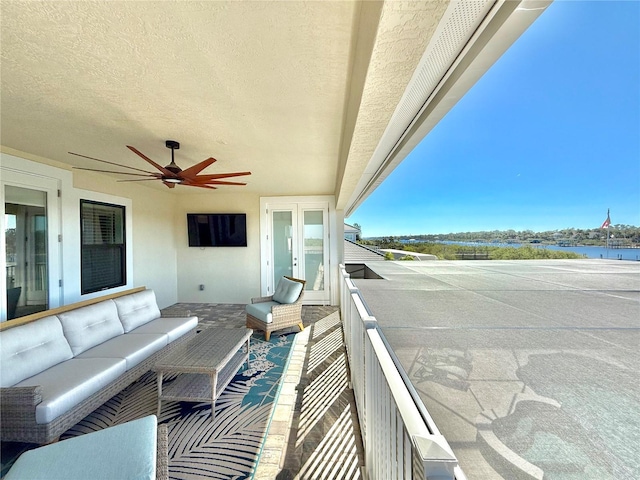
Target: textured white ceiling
pixel 260 86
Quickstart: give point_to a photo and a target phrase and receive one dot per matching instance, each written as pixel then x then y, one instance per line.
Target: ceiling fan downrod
pixel 172 167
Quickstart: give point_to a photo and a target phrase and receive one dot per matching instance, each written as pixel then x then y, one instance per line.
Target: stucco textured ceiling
pixel 260 86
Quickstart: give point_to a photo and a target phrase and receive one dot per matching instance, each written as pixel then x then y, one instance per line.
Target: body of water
pixel 602 252
pixel 588 251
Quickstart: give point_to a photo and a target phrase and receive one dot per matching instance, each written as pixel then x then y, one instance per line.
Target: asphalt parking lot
pixel 529 367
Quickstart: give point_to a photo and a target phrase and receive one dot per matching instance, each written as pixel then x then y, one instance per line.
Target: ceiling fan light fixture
pixel 171 180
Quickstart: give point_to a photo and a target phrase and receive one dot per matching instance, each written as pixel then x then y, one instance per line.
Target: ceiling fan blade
pixel 216 182
pixel 210 182
pixel 170 185
pixel 140 179
pixel 110 163
pixel 203 186
pixel 165 172
pixel 216 176
pixel 197 168
pixel 150 174
pixel 220 182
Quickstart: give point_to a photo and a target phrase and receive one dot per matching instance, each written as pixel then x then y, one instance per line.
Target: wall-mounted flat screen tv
pixel 217 229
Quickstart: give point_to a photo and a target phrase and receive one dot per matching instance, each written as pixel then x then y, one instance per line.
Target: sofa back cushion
pixel 31 348
pixel 137 309
pixel 86 327
pixel 287 291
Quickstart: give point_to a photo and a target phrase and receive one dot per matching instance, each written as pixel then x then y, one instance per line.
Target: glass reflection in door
pixel 26 251
pixel 283 254
pixel 313 231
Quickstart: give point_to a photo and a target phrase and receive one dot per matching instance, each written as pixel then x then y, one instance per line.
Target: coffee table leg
pixel 214 380
pixel 160 374
pixel 248 350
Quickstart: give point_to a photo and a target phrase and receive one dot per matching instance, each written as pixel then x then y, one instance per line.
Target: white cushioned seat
pixel 173 327
pixel 123 452
pixel 30 349
pixel 137 309
pixel 261 310
pixel 68 383
pixel 132 348
pixel 86 327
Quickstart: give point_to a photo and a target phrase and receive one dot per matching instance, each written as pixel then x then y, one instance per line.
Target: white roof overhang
pixel 469 38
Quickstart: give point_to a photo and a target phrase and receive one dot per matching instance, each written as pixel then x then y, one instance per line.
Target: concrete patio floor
pixel 529 368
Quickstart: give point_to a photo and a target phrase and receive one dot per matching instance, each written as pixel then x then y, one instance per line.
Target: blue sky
pixel 548 138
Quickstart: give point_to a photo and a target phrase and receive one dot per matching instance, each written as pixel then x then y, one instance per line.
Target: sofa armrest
pixel 262 299
pixel 24 396
pixel 18 406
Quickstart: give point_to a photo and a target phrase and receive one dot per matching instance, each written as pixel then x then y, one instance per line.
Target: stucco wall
pixel 229 274
pixel 150 212
pixel 162 259
pixel 154 239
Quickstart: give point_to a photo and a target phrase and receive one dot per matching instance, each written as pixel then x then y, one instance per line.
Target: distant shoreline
pixel 511 250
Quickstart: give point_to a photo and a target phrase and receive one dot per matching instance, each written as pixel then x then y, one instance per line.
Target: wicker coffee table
pixel 206 365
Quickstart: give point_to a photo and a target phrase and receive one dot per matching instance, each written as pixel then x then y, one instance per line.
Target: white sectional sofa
pixel 56 370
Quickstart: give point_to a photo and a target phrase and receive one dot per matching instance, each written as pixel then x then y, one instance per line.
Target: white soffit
pixel 472 35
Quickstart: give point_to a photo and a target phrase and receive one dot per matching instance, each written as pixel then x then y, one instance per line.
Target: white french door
pixel 30 246
pixel 296 244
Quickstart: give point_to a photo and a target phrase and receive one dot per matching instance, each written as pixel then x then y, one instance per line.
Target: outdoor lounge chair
pixel 281 310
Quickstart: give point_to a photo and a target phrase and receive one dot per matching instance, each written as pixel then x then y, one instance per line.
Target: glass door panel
pixel 26 251
pixel 313 241
pixel 284 259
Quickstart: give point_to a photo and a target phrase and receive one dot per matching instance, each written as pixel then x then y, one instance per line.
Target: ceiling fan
pixel 172 174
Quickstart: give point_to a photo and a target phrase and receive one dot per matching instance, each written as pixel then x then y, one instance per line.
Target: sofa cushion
pixel 125 451
pixel 137 309
pixel 68 383
pixel 134 348
pixel 31 348
pixel 86 327
pixel 173 327
pixel 261 310
pixel 287 291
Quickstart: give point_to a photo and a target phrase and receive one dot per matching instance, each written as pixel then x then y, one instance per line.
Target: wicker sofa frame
pixel 18 404
pixel 284 315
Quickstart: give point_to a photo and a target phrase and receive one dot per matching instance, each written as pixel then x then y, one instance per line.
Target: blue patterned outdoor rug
pixel 227 448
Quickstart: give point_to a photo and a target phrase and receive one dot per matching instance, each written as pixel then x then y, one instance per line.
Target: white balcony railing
pixel 401 440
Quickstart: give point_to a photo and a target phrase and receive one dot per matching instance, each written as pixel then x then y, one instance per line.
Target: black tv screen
pixel 217 229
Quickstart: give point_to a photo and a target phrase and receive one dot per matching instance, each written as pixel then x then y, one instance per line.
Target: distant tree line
pixel 625 234
pixel 490 245
pixel 473 252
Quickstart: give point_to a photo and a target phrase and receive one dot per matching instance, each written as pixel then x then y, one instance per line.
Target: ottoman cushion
pixel 126 451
